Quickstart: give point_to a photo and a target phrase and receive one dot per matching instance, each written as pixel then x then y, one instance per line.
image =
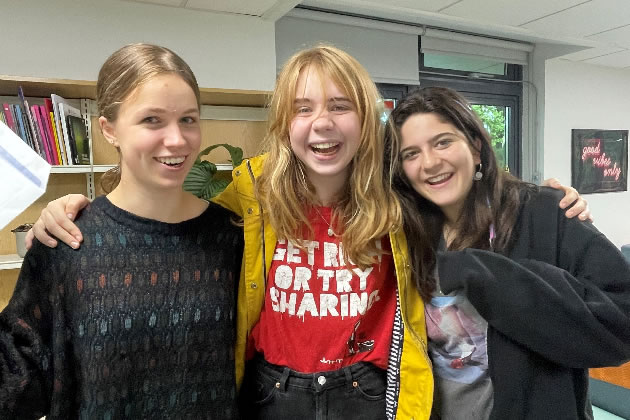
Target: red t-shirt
pixel 319 315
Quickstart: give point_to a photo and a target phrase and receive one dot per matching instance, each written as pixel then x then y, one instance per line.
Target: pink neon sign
pixel 600 160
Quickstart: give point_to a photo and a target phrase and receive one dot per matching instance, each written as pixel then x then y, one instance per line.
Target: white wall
pixel 586 96
pixel 387 55
pixel 70 39
pixel 534 108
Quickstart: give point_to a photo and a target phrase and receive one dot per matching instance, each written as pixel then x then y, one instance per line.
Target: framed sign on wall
pixel 599 160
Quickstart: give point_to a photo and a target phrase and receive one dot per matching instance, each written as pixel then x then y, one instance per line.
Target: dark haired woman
pixel 520 300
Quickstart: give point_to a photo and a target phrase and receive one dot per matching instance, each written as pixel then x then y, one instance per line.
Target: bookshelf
pixel 10 261
pixel 81 169
pixel 83 89
pixel 228 116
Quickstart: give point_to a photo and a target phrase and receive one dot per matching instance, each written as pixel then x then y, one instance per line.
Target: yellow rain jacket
pixel 416 379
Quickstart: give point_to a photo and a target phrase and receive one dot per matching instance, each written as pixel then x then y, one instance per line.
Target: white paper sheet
pixel 23 175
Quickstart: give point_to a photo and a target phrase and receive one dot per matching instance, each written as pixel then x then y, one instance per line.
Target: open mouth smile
pixel 439 179
pixel 325 148
pixel 173 162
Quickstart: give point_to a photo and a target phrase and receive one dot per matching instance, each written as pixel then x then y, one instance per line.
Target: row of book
pixel 54 129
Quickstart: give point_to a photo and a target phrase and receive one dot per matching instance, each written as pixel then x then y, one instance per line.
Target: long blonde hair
pixel 368 209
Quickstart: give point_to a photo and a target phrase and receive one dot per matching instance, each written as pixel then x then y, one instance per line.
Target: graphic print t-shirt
pixel 458 348
pixel 320 315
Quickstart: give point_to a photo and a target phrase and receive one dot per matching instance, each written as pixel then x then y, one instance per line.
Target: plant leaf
pixel 201 180
pixel 198 179
pixel 216 187
pixel 236 153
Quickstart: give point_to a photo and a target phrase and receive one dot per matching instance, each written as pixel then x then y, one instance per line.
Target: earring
pixel 478 174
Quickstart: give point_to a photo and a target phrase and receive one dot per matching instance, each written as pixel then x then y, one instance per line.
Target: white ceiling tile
pixel 607 22
pixel 175 3
pixel 590 53
pixel 247 7
pixel 619 36
pixel 585 19
pixel 418 5
pixel 514 14
pixel 426 5
pixel 620 60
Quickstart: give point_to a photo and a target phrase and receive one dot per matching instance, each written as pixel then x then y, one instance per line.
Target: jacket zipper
pixel 262 225
pixel 414 335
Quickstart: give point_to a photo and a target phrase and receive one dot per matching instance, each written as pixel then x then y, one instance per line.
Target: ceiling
pixel 600 27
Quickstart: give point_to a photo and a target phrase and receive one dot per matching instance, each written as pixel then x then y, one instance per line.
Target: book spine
pixel 32 124
pixel 16 128
pixel 8 116
pixel 60 146
pixel 56 102
pixel 48 111
pixel 48 128
pixel 42 134
pixel 27 129
pixel 63 116
pixel 20 122
pixel 73 146
pixel 51 137
pixel 34 130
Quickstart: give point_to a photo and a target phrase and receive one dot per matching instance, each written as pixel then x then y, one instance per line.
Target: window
pixel 464 64
pixel 499 106
pixel 495 95
pixel 495 120
pixel 482 71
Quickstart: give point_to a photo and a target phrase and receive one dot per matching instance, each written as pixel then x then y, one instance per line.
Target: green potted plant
pixel 203 179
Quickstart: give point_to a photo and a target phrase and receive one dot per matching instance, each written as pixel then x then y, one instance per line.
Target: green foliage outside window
pixel 493 118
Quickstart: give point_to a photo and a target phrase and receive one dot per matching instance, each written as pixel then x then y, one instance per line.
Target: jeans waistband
pixel 318 381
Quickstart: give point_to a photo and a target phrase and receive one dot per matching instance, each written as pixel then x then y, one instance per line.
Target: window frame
pixel 513 71
pixel 490 92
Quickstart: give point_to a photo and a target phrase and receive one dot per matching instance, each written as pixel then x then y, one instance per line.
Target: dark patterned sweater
pixel 138 323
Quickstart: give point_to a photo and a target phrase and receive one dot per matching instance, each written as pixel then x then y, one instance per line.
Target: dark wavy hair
pixel 495 199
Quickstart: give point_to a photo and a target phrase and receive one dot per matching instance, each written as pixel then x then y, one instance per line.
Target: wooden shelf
pixel 224 166
pixel 234 97
pixel 79 169
pixel 10 262
pixel 86 169
pixel 38 87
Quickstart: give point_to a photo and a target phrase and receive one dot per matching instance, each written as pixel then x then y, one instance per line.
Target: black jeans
pixel 277 393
